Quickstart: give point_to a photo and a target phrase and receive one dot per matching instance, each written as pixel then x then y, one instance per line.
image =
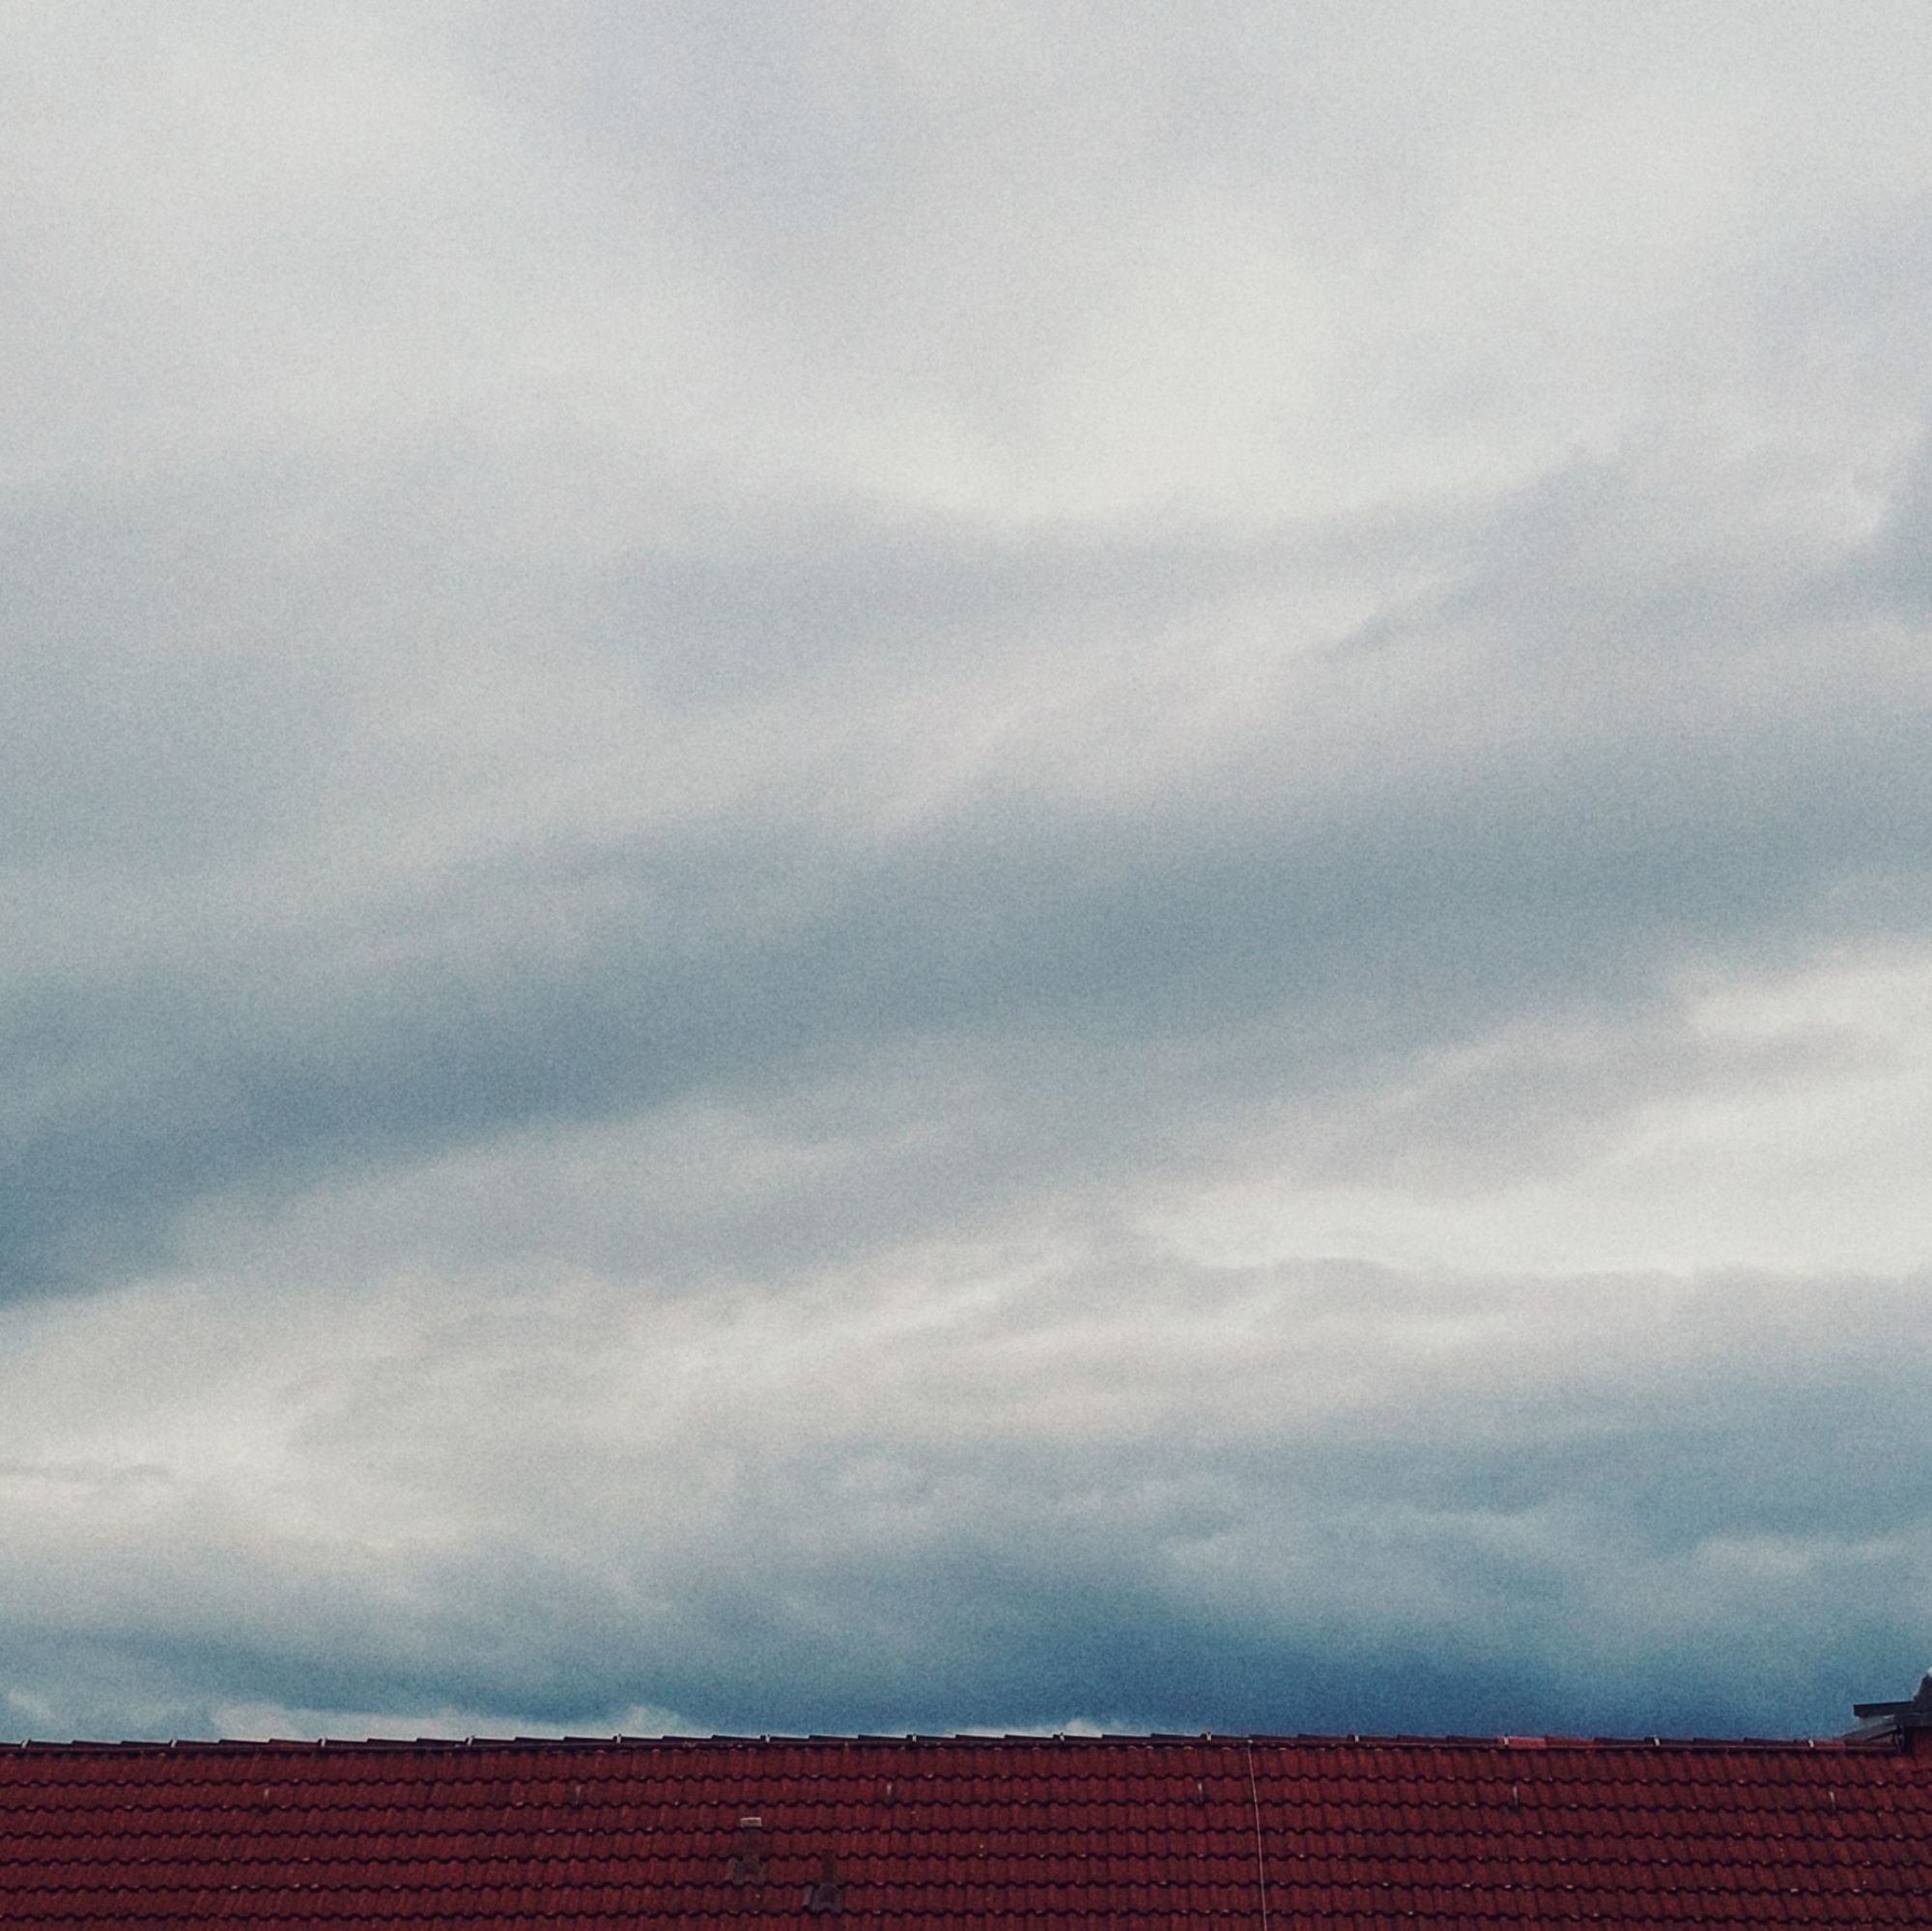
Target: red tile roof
pixel 1278 1834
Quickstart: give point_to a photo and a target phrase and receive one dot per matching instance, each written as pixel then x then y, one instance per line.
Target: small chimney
pixel 747 1864
pixel 1895 1723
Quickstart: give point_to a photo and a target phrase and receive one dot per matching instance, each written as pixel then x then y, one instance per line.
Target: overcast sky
pixel 929 863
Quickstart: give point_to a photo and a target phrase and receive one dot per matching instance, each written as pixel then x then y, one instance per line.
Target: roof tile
pixel 924 1833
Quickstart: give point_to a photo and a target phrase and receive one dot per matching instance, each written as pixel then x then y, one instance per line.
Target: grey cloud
pixel 1295 913
pixel 1344 1498
pixel 702 710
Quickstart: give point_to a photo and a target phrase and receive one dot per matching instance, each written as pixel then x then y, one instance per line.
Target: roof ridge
pixel 956 1739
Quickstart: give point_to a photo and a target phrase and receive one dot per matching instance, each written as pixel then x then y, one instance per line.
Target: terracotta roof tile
pixel 928 1832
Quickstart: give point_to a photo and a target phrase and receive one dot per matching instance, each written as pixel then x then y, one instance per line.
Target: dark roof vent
pixel 826 1893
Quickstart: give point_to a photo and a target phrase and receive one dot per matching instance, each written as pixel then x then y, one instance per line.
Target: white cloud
pixel 961 866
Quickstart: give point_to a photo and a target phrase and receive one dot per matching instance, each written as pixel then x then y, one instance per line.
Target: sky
pixel 964 866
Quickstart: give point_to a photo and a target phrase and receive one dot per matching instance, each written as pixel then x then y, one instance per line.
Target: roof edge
pixel 1873 1733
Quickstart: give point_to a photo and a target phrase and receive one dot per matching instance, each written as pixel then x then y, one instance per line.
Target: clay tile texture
pixel 1280 1834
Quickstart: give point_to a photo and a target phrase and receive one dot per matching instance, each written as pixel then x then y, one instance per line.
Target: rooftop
pixel 592 1835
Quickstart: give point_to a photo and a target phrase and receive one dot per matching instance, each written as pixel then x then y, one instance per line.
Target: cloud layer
pixel 931 866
